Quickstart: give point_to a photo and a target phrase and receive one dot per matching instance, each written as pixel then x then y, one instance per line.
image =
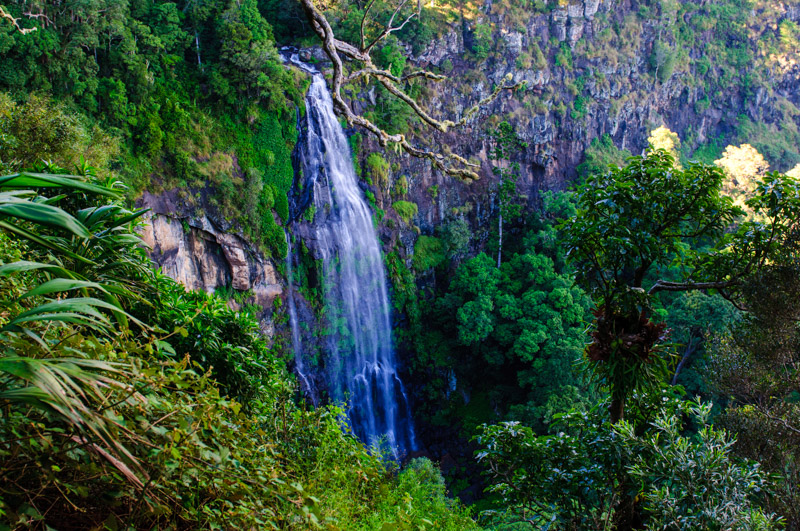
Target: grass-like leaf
pixel 47 180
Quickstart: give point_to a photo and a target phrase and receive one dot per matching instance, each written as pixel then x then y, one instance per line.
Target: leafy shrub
pixel 378 168
pixel 693 482
pixel 406 210
pixel 42 129
pixel 601 154
pixel 662 60
pixel 482 41
pixel 564 56
pixel 401 186
pixel 685 481
pixel 456 236
pixel 218 339
pixel 422 482
pixel 429 252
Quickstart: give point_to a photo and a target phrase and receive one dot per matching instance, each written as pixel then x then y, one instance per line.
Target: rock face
pixel 606 86
pixel 196 253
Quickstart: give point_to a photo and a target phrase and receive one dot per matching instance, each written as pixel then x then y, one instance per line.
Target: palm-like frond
pixel 86 268
pixel 61 385
pixel 95 247
pixel 73 389
pixel 30 180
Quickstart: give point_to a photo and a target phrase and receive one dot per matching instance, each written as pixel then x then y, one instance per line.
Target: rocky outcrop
pixel 199 255
pixel 606 86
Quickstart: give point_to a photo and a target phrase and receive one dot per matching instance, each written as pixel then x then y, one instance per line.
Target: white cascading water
pixel 361 365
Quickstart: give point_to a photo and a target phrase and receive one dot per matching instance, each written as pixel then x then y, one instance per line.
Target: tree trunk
pixel 625 512
pixel 626 516
pixel 690 348
pixel 617 409
pixel 500 242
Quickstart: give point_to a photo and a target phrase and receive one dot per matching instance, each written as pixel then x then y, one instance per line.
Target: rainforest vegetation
pixel 611 345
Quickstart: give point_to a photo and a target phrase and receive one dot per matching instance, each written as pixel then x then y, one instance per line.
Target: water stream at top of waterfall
pixel 360 359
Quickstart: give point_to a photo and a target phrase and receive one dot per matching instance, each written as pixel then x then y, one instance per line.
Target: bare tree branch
pixel 449 163
pixel 388 29
pixel 388 75
pixel 15 21
pixel 364 22
pixel 664 285
pixel 40 16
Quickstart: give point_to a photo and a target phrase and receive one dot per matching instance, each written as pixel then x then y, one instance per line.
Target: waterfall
pixel 360 360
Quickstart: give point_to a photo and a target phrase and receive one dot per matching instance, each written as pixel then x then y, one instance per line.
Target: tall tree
pixel 634 223
pixel 506 145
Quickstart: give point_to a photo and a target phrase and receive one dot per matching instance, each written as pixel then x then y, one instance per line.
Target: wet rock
pixel 237 261
pixel 590 8
pixel 513 40
pixel 558 27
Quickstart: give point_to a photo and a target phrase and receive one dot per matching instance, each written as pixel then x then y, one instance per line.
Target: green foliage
pixel 392 114
pixel 694 482
pixel 378 168
pixel 422 484
pixel 404 288
pixel 777 142
pixel 99 416
pixel 456 236
pixel 482 41
pixel 694 318
pixel 568 479
pixel 523 315
pixel 662 60
pixel 789 34
pixel 707 153
pixel 391 57
pixel 629 220
pixel 506 145
pixel 646 217
pixel 600 155
pixel 632 218
pixel 39 129
pixel 400 186
pixel 565 478
pixel 564 56
pixel 273 143
pixel 580 107
pixel 539 60
pixel 370 198
pixel 751 366
pixel 429 252
pixel 158 85
pixel 406 210
pixel 215 337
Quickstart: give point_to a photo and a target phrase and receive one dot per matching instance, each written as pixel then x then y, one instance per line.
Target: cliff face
pixel 196 252
pixel 588 71
pixel 595 75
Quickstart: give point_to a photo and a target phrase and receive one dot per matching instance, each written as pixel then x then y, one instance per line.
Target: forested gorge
pixel 584 214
